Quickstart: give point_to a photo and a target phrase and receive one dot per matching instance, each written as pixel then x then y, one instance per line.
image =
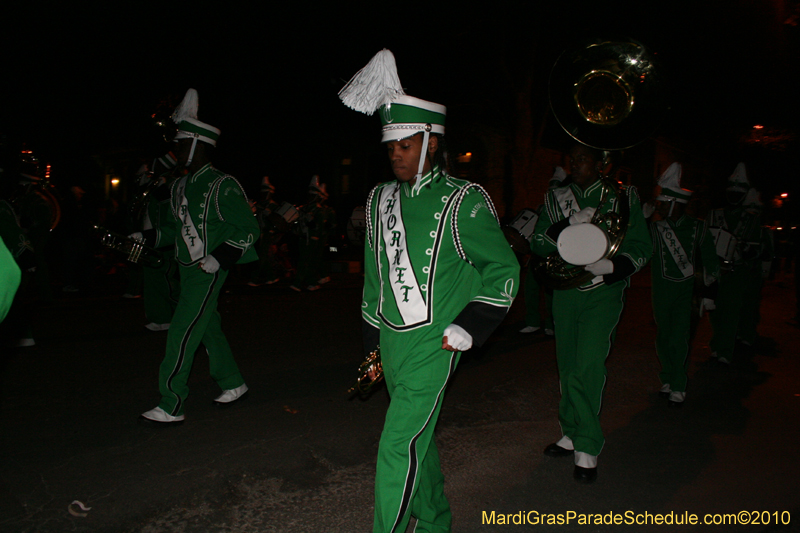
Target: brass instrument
pixel 139 204
pixel 136 251
pixel 372 364
pixel 609 96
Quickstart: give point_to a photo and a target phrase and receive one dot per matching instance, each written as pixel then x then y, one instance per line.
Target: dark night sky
pixel 79 84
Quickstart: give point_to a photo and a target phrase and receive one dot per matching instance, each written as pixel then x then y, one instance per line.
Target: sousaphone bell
pixel 608 95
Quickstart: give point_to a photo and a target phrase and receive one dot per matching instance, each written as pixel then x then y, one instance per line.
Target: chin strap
pixel 422 155
pixel 671 207
pixel 191 152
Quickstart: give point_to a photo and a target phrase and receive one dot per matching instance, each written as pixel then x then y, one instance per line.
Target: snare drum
pixel 726 244
pixel 284 217
pixel 582 244
pixel 525 222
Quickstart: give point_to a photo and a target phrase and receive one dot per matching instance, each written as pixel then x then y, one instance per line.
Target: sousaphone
pixel 608 95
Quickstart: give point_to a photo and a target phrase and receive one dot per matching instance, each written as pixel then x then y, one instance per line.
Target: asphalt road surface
pixel 298 455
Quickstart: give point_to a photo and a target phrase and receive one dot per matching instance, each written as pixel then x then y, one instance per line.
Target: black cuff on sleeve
pixel 371 336
pixel 480 320
pixel 227 255
pixel 555 230
pixel 150 237
pixel 623 267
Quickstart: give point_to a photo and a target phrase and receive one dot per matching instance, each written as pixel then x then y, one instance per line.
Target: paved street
pixel 298 456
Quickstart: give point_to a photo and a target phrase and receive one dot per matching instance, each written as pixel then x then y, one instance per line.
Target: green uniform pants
pixel 161 289
pixel 196 320
pixel 409 480
pixel 672 310
pixel 737 310
pixel 533 289
pixel 586 323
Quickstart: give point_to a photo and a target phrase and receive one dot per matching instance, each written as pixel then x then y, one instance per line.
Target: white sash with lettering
pixel 407 293
pixel 189 232
pixel 675 248
pixel 566 201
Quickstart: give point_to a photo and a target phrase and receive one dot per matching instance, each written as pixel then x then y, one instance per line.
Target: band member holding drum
pixel 681 245
pixel 746 251
pixel 439 277
pixel 213 229
pixel 586 317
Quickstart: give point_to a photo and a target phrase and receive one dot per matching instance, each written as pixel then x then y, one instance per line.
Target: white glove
pixel 706 304
pixel 456 339
pixel 648 209
pixel 209 264
pixel 136 236
pixel 600 268
pixel 583 216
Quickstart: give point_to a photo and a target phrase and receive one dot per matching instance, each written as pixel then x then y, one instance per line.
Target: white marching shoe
pixel 161 416
pixel 231 395
pixel 529 329
pixel 152 326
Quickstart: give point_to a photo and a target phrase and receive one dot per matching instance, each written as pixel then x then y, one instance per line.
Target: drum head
pixel 582 244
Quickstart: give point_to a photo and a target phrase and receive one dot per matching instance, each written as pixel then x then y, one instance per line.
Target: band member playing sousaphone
pixel 586 317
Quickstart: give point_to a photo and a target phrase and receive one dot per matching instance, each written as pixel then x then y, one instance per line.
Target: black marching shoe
pixel 584 475
pixel 554 450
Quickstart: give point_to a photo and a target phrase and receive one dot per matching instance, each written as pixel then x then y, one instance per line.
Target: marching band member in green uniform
pixel 681 243
pixel 586 317
pixel 746 251
pixel 213 229
pixel 10 276
pixel 439 277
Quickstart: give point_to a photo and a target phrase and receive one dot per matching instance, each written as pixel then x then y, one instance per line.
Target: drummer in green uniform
pixel 683 247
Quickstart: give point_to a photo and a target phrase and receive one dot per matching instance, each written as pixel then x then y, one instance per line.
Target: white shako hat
pixel 752 201
pixel 670 183
pixel 559 175
pixel 377 87
pixel 738 181
pixel 185 116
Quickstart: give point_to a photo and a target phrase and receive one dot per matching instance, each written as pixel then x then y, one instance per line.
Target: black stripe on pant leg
pixel 184 341
pixel 412 451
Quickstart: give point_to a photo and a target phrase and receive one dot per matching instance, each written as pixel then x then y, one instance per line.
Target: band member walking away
pixel 683 246
pixel 746 250
pixel 439 277
pixel 586 317
pixel 213 228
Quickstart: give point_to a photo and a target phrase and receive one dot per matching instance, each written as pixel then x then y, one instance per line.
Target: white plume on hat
pixel 187 108
pixel 671 178
pixel 374 85
pixel 752 198
pixel 738 180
